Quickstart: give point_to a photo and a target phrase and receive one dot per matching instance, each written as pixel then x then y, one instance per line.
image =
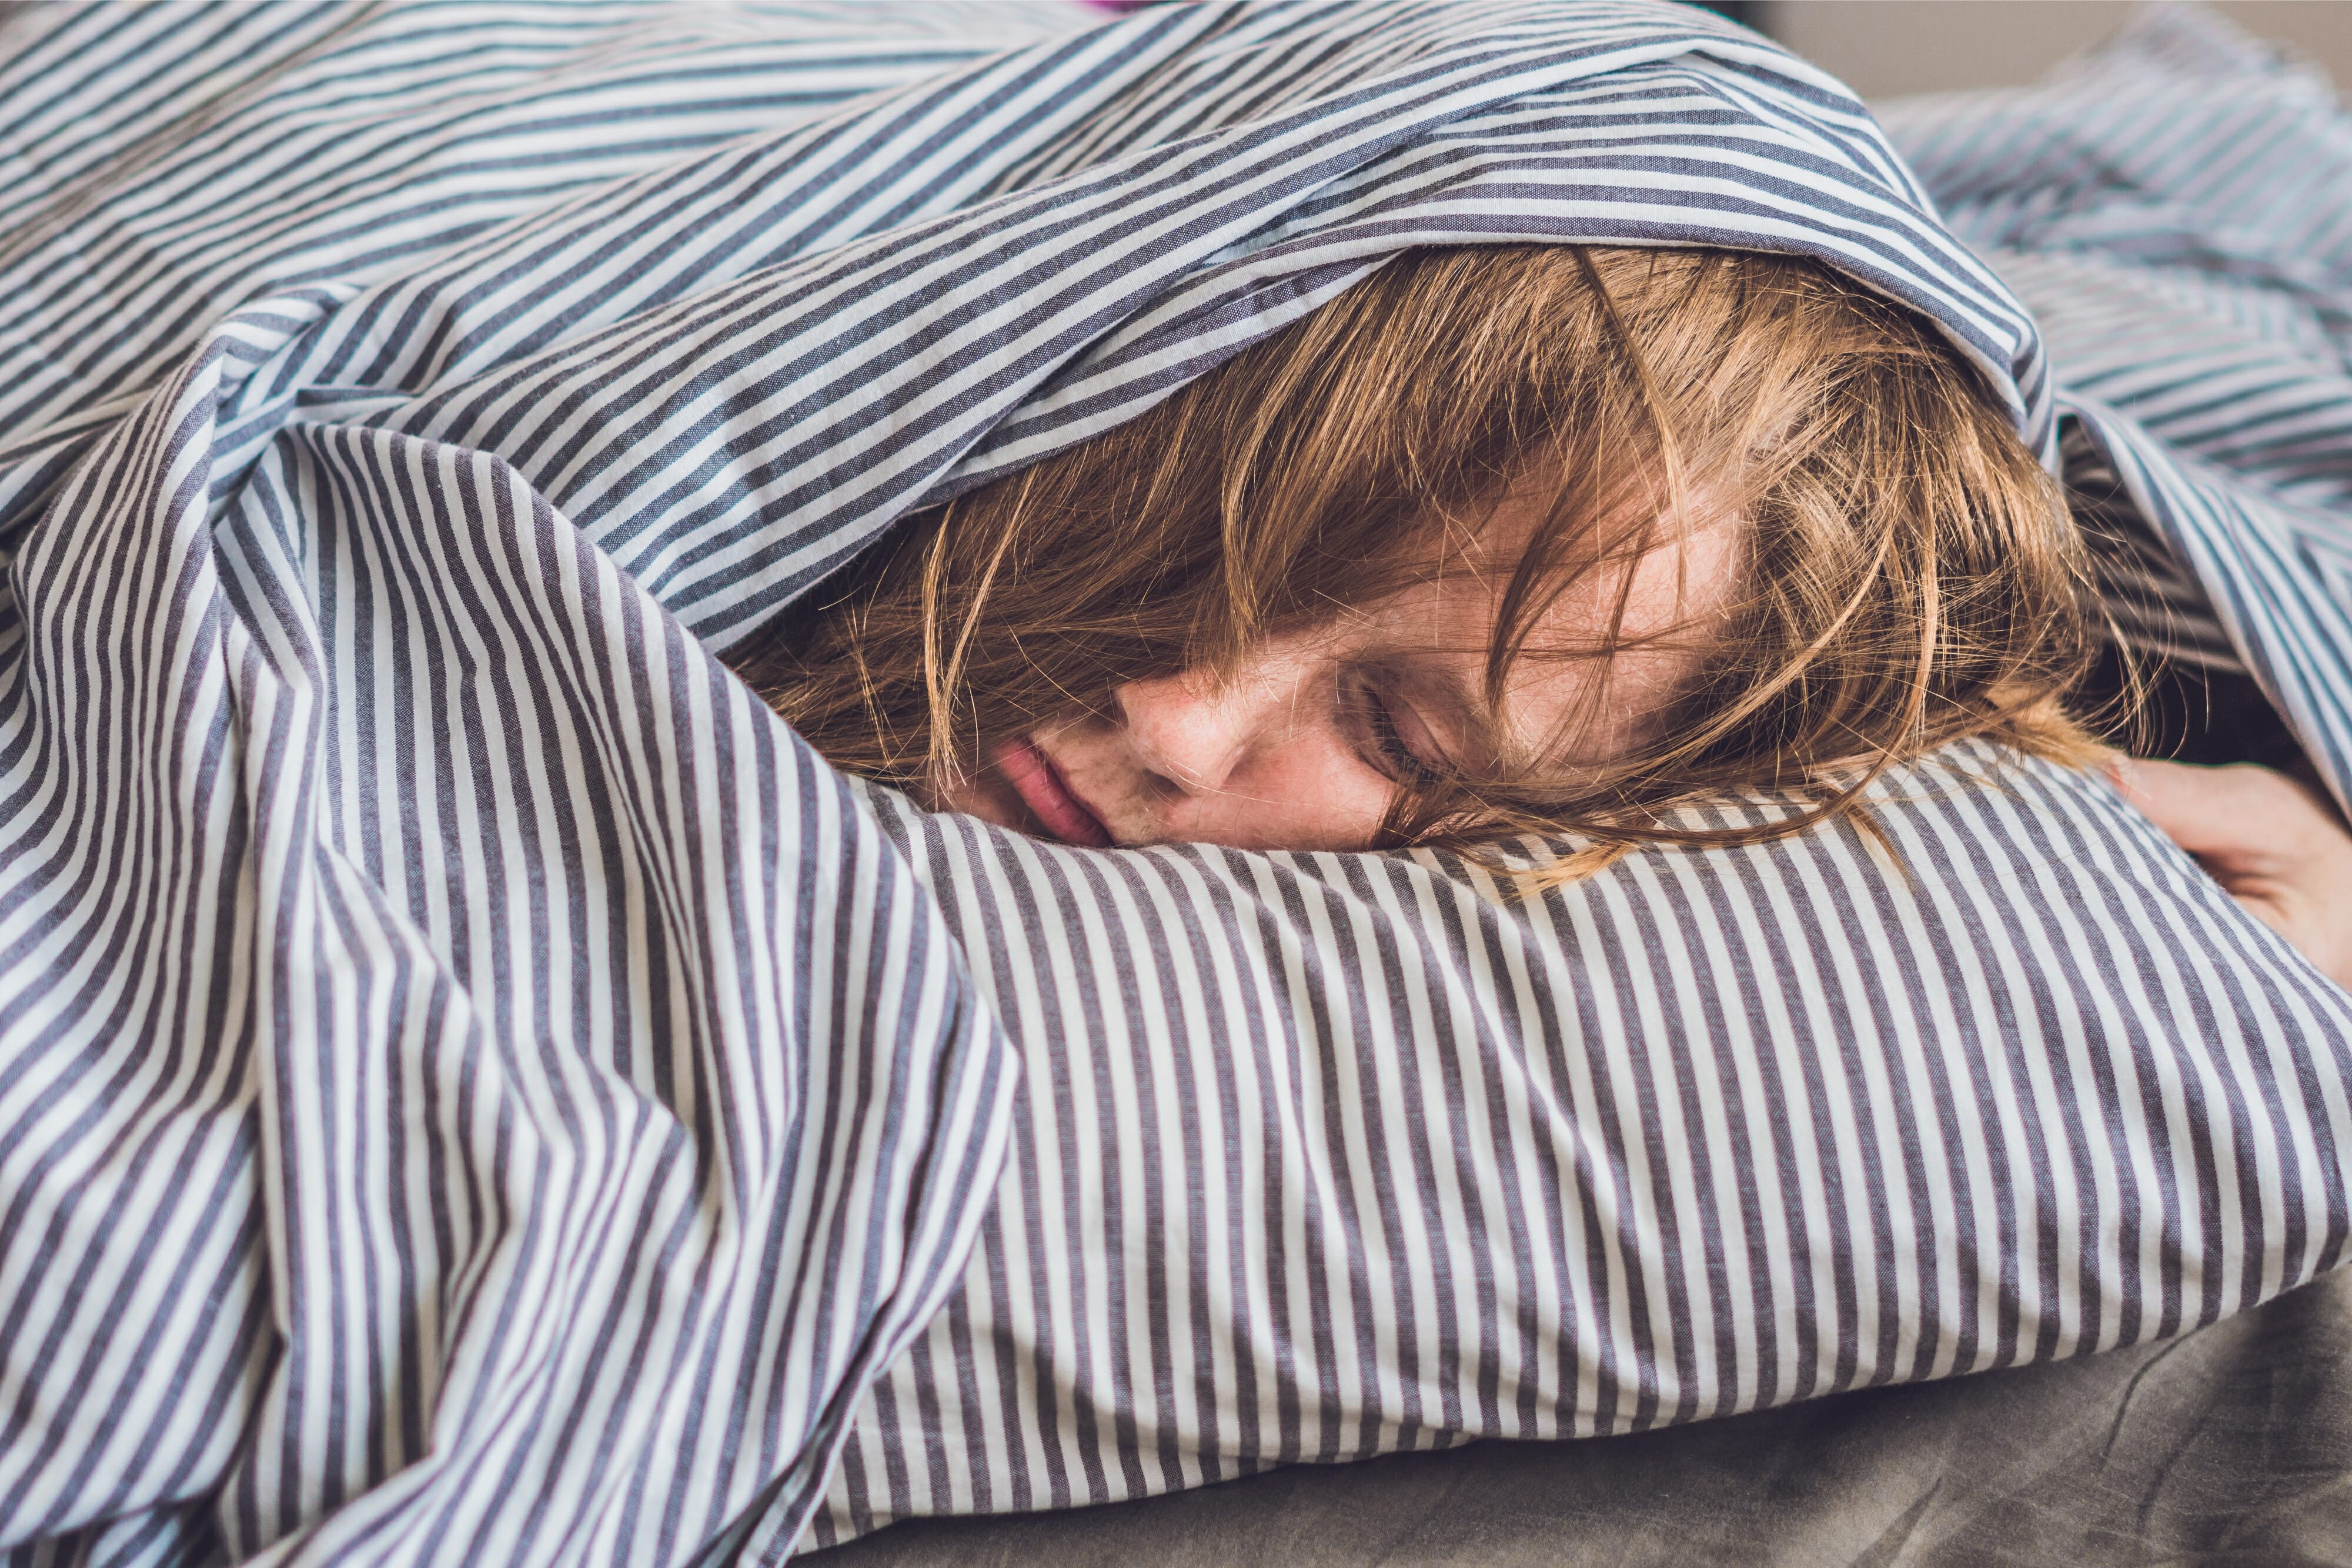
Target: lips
pixel 1048 795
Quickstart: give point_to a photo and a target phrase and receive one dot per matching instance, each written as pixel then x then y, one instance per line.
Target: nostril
pixel 1185 731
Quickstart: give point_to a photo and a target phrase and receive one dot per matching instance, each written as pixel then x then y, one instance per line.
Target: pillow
pixel 1318 1157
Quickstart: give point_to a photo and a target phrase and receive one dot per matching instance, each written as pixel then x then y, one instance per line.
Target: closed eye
pixel 1374 712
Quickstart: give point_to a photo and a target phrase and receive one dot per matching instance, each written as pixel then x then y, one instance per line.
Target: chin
pixel 981 795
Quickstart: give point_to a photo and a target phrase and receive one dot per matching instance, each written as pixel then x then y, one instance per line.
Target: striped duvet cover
pixel 475 1087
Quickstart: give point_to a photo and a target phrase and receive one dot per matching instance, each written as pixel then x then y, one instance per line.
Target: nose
pixel 1196 731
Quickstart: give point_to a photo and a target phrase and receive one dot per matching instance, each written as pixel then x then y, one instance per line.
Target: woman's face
pixel 1306 745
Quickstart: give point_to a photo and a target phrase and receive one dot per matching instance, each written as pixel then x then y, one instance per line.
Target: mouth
pixel 1048 795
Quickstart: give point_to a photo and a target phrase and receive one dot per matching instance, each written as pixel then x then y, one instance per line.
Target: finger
pixel 2227 813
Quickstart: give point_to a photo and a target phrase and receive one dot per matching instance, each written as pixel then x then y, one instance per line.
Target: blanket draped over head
pixel 475 1088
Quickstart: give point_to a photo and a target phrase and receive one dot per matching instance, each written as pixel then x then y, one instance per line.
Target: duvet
pixel 476 1087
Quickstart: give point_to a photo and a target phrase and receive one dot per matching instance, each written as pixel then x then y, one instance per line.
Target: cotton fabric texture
pixel 475 1087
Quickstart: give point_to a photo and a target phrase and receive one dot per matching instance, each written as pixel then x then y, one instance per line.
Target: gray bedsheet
pixel 2232 1445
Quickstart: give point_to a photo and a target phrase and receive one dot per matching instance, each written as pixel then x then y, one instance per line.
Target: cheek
pixel 1310 793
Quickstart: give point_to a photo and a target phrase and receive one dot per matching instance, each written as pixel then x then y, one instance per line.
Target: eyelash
pixel 1401 764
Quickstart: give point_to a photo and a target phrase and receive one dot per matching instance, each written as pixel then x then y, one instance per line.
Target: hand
pixel 2273 846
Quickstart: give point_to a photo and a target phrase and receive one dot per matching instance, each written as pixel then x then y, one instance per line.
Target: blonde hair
pixel 1911 576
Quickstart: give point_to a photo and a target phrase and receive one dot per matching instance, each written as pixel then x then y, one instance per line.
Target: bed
pixel 2229 1445
pixel 475 1085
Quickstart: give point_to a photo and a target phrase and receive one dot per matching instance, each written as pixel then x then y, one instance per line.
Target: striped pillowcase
pixel 1317 1157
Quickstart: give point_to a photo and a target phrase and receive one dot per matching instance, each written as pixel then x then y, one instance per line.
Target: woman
pixel 1504 541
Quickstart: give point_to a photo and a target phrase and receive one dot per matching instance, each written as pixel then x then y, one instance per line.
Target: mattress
pixel 2229 1444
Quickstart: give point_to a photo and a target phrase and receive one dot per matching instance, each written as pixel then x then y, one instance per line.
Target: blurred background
pixel 1885 47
